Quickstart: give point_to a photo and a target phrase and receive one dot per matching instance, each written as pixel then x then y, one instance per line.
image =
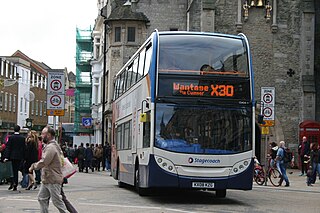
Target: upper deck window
pixel 202 55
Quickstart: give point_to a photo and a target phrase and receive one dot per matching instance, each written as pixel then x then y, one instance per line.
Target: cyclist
pixel 273 152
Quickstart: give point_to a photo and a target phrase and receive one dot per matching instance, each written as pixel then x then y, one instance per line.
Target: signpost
pixel 267 110
pixel 268 105
pixel 55 95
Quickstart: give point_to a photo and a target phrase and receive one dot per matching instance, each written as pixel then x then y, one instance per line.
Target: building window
pixel 32 107
pixel 45 108
pixel 1 101
pixel 6 101
pixel 41 109
pixel 37 107
pixel 14 103
pixel 117 34
pixel 10 102
pixel 25 107
pixel 131 34
pixel 21 105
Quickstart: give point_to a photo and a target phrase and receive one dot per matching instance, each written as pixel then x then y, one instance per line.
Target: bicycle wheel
pixel 275 177
pixel 259 177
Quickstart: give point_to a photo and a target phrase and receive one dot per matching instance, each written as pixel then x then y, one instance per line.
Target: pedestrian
pixel 31 156
pixel 88 157
pixel 304 152
pixel 70 153
pixel 98 153
pixel 15 150
pixel 51 176
pixel 80 152
pixel 103 160
pixel 281 165
pixel 273 152
pixel 108 157
pixel 314 162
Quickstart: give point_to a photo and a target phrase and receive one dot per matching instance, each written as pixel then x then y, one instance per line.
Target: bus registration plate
pixel 202 185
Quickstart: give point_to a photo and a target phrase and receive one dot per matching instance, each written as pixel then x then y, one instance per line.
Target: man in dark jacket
pixel 88 157
pixel 15 149
pixel 80 152
pixel 304 152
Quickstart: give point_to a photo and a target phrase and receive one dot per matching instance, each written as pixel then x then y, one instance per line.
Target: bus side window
pixel 135 70
pixel 129 76
pixel 148 59
pixel 141 64
pixel 146 134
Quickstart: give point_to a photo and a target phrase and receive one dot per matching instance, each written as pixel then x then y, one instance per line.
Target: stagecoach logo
pixel 203 161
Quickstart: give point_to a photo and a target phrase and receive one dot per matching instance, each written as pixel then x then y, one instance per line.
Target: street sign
pixel 55 102
pixel 265 130
pixel 86 122
pixel 55 94
pixel 57 112
pixel 56 83
pixel 268 105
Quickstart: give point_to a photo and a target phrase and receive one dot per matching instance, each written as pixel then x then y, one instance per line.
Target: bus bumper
pixel 156 177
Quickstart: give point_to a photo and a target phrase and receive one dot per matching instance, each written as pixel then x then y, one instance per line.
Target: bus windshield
pixel 202 55
pixel 203 129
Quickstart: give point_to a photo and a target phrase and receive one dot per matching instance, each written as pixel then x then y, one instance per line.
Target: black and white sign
pixel 55 94
pixel 56 83
pixel 55 102
pixel 268 103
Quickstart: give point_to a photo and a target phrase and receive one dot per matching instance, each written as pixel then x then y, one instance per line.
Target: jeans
pixel 282 167
pixel 52 191
pixel 108 166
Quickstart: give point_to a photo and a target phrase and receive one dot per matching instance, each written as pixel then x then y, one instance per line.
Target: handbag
pixel 67 168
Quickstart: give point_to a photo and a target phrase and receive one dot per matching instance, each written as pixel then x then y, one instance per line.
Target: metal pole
pixel 266 161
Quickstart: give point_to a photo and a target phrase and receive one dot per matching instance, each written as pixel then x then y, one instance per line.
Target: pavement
pixel 297 183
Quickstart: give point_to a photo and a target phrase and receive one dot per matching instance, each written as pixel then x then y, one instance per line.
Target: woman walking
pixel 31 156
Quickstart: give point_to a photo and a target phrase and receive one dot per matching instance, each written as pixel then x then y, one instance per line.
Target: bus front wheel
pixel 221 193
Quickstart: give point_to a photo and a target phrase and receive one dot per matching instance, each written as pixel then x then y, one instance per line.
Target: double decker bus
pixel 184 114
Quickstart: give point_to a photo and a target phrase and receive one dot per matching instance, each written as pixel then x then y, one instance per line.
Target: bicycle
pixel 272 173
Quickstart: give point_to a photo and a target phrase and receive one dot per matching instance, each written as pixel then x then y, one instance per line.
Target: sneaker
pixel 287 185
pixel 301 174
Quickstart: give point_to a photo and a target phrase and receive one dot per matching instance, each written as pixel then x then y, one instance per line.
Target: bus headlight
pixel 240 167
pixel 165 164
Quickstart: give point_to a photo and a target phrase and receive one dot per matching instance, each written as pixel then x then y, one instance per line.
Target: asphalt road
pixel 98 192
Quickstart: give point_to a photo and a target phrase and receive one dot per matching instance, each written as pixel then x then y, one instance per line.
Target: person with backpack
pixel 281 164
pixel 273 152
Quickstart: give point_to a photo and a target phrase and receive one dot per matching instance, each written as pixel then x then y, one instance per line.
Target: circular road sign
pixel 267 112
pixel 55 100
pixel 56 85
pixel 267 98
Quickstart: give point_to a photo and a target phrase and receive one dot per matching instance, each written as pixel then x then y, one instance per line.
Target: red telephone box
pixel 310 129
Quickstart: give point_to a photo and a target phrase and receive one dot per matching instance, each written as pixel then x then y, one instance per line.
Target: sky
pixel 45 30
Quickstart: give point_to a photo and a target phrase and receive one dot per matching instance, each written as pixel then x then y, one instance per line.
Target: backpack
pixel 287 155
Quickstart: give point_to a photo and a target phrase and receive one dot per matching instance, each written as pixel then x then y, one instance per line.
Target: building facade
pixel 283 35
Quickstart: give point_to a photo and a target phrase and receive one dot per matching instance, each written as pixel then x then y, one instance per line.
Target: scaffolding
pixel 84 48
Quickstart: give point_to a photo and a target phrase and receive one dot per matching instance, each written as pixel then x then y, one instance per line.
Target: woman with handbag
pixel 31 156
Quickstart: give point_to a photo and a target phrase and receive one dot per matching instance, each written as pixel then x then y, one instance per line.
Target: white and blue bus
pixel 184 114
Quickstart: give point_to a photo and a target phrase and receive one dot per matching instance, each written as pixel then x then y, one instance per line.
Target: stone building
pixel 283 36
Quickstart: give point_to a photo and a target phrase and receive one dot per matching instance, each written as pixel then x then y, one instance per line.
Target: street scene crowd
pixel 39 159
